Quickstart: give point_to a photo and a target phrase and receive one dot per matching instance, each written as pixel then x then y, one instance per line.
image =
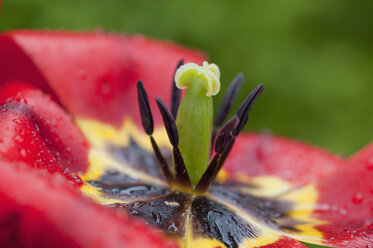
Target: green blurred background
pixel 314 57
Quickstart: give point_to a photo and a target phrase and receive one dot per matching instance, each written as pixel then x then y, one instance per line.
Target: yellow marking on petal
pixel 202 243
pixel 304 200
pixel 100 134
pixel 266 238
pixel 264 186
pixel 99 197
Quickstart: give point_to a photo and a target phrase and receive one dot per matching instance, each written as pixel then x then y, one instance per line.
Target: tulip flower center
pixel 177 188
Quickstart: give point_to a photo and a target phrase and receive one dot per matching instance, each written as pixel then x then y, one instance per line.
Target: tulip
pixel 87 161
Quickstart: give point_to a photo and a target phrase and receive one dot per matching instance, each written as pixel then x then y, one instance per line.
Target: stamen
pixel 181 175
pixel 226 105
pixel 243 111
pixel 175 93
pixel 145 111
pixel 147 123
pixel 169 122
pixel 228 100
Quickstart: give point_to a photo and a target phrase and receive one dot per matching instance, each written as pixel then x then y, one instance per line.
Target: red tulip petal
pixel 42 210
pixel 285 242
pixel 94 74
pixel 261 154
pixel 346 201
pixel 35 130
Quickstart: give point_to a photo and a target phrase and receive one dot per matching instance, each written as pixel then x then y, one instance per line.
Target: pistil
pixel 195 115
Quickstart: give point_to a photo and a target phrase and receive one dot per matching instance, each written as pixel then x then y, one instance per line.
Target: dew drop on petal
pixel 17 121
pixel 172 227
pixel 157 217
pixel 18 139
pixel 358 198
pixel 68 150
pixel 23 153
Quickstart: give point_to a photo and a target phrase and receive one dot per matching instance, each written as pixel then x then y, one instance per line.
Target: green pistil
pixel 194 118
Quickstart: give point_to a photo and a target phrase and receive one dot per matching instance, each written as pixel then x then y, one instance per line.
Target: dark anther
pixel 241 124
pixel 228 100
pixel 175 93
pixel 225 135
pixel 145 111
pixel 169 122
pixel 147 122
pixel 226 104
pixel 243 111
pixel 208 177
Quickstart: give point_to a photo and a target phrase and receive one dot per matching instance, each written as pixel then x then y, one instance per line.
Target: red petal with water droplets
pixel 346 201
pixel 94 75
pixel 36 131
pixel 262 154
pixel 42 210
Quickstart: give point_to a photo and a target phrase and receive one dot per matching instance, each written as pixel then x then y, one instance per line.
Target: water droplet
pixel 157 217
pixel 23 153
pixel 172 227
pixel 18 139
pixel 115 191
pixel 358 198
pixel 37 127
pixel 17 121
